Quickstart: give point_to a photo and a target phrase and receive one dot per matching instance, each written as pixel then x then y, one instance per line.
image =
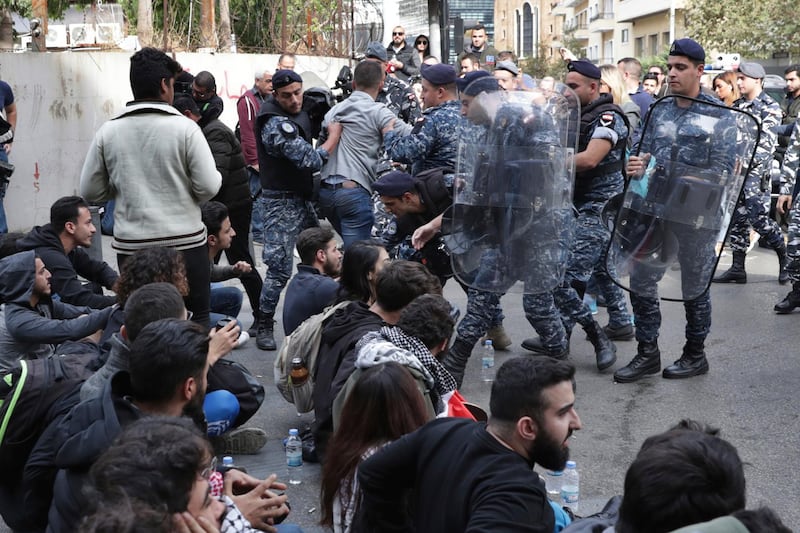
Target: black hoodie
pixel 65 269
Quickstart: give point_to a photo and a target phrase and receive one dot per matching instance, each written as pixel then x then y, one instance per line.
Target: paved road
pixel 750 393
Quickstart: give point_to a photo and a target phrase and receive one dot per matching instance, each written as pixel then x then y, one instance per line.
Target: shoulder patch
pixel 288 128
pixel 607 120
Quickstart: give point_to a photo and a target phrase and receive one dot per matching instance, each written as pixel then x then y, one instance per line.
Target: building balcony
pixel 560 9
pixel 630 10
pixel 581 32
pixel 601 22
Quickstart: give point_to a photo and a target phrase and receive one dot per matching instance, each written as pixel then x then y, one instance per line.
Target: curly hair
pixel 151 266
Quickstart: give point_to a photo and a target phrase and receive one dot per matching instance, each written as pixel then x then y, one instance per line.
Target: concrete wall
pixel 62 98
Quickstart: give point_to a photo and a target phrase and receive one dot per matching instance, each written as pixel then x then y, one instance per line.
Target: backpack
pixel 304 343
pixel 30 395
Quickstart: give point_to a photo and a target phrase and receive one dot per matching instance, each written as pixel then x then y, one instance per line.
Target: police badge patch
pixel 288 129
pixel 607 120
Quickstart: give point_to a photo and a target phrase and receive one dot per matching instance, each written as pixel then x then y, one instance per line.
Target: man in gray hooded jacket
pixel 32 325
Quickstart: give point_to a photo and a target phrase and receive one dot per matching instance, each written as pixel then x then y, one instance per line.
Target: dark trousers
pixel 240 251
pixel 198 274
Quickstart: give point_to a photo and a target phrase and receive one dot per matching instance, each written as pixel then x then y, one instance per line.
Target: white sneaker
pixel 243 338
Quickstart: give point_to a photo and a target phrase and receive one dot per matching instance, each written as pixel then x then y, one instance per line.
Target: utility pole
pixel 39 33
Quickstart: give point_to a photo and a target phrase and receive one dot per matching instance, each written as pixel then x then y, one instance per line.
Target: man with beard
pixel 486 470
pixel 168 363
pixel 314 286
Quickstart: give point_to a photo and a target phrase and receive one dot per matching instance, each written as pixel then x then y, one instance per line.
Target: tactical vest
pixel 279 173
pixel 584 181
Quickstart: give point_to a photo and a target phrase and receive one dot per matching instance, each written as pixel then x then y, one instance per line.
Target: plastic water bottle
pixel 571 487
pixel 227 464
pixel 294 458
pixel 553 480
pixel 487 361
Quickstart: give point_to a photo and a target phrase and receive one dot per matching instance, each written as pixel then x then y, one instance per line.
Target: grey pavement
pixel 750 393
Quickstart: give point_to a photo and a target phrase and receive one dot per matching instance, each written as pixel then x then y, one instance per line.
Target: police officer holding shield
pixel 692 143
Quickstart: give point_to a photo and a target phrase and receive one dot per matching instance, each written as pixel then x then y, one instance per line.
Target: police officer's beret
pixel 752 70
pixel 689 48
pixel 508 66
pixel 438 74
pixel 394 184
pixel 486 84
pixel 376 50
pixel 282 78
pixel 584 67
pixel 469 77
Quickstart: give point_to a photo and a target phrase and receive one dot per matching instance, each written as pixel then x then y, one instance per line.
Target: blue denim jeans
pixel 225 301
pixel 349 211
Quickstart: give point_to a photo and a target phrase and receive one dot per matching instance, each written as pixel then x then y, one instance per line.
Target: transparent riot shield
pixel 512 203
pixel 676 210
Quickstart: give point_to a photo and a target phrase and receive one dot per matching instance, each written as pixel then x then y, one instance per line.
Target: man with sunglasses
pixel 400 55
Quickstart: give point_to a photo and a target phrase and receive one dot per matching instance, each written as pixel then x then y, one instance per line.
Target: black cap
pixel 439 74
pixel 485 84
pixel 584 67
pixel 689 48
pixel 469 77
pixel 394 184
pixel 282 78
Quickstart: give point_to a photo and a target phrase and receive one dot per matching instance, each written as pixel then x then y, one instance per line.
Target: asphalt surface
pixel 750 393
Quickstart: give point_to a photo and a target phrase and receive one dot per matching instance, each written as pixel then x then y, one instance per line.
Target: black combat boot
pixel 265 338
pixel 622 333
pixel 456 359
pixel 647 361
pixel 693 362
pixel 535 345
pixel 783 275
pixel 604 349
pixel 253 331
pixel 792 300
pixel 736 273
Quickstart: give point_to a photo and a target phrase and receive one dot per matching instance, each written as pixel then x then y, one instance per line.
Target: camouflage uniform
pixel 591 238
pixel 696 253
pixel 791 162
pixel 399 97
pixel 286 214
pixel 753 207
pixel 433 141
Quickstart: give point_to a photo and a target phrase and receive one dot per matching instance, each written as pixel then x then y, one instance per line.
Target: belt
pixel 279 195
pixel 346 184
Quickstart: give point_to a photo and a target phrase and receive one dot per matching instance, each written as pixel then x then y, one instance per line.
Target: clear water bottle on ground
pixel 487 361
pixel 294 458
pixel 571 487
pixel 553 479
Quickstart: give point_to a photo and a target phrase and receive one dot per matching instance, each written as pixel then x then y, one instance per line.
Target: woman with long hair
pixel 422 50
pixel 384 405
pixel 611 82
pixel 726 88
pixel 360 267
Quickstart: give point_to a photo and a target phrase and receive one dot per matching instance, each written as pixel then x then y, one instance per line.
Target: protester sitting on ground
pixel 384 405
pixel 459 475
pixel 361 265
pixel 226 301
pixel 397 285
pixel 314 287
pixel 416 342
pixel 164 468
pixel 32 324
pixel 61 246
pixel 168 364
pixel 153 265
pixel 681 477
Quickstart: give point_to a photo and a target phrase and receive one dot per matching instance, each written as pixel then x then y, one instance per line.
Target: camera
pixel 224 321
pixel 344 83
pixel 6 169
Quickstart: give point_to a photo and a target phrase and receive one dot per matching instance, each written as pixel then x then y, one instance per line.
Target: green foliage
pixel 752 29
pixel 543 65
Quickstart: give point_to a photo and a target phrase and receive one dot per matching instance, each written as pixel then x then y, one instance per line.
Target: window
pixel 638 47
pixel 625 36
pixel 653 45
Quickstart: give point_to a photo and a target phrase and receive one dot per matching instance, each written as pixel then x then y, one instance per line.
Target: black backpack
pixel 30 397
